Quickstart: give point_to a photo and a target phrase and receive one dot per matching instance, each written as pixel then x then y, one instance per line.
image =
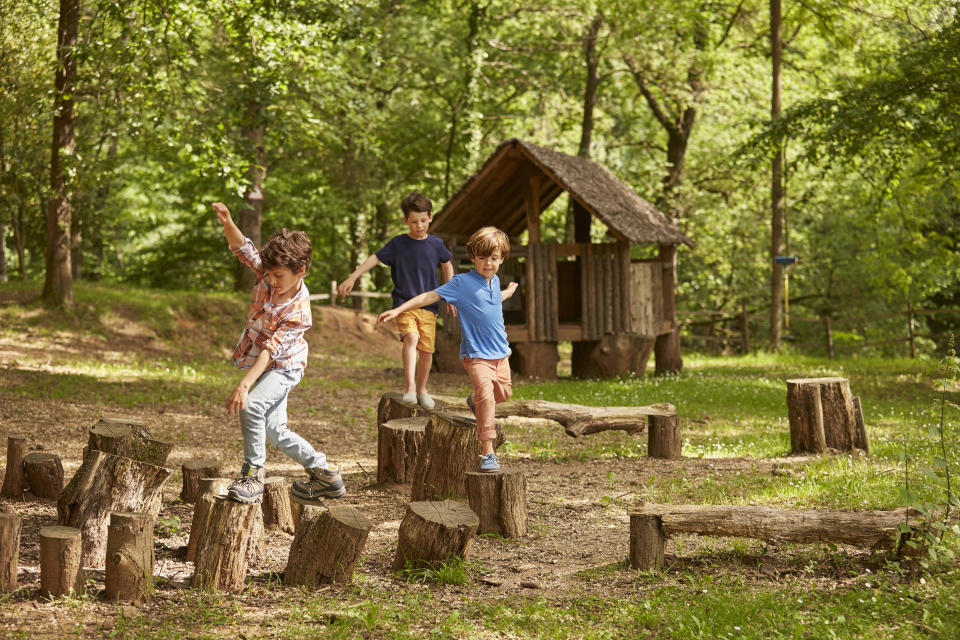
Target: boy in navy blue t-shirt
pixel 413 259
pixel 484 349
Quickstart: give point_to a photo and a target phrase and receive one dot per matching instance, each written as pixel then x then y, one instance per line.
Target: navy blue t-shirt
pixel 413 266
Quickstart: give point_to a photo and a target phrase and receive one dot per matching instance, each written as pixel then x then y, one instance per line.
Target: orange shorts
pixel 421 322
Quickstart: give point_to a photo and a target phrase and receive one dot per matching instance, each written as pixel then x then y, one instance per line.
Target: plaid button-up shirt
pixel 278 328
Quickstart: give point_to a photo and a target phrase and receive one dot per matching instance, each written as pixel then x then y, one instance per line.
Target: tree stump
pixel 14 479
pixel 663 435
pixel 221 557
pixel 209 489
pixel 535 360
pixel 128 438
pixel 398 443
pixel 129 559
pixel 823 415
pixel 500 501
pixel 449 449
pixel 193 471
pixel 10 525
pixel 666 353
pixel 61 561
pixel 647 541
pixel 614 355
pixel 105 483
pixel 327 546
pixel 434 532
pixel 277 513
pixel 392 406
pixel 296 511
pixel 44 473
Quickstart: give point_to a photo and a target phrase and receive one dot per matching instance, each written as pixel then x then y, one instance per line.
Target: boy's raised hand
pixel 387 316
pixel 512 287
pixel 223 214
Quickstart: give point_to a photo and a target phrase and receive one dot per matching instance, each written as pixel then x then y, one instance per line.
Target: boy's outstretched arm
pixel 347 285
pixel 447 269
pixel 230 230
pixel 421 300
pixel 507 293
pixel 239 396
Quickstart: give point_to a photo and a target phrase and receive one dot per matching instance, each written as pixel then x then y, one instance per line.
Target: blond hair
pixel 485 241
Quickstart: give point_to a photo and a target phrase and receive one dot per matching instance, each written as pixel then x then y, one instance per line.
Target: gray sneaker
pixel 489 464
pixel 248 488
pixel 320 483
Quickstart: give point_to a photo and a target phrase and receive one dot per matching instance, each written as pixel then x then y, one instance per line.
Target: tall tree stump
pixel 663 435
pixel 44 473
pixel 209 489
pixel 434 532
pixel 61 561
pixel 647 541
pixel 105 483
pixel 327 546
pixel 823 415
pixel 296 511
pixel 277 513
pixel 449 449
pixel 193 471
pixel 10 525
pixel 222 551
pixel 129 560
pixel 392 406
pixel 14 479
pixel 500 501
pixel 128 438
pixel 398 444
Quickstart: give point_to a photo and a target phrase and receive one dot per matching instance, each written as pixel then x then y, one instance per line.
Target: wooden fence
pixel 363 295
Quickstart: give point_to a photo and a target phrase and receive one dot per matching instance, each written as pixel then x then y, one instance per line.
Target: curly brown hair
pixel 485 241
pixel 290 249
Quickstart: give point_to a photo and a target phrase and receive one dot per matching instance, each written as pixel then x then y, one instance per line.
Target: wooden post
pixel 276 505
pixel 209 488
pixel 667 347
pixel 192 471
pixel 221 557
pixel 44 472
pixel 836 414
pixel 434 532
pixel 805 411
pixel 663 437
pixel 10 525
pixel 327 546
pixel 911 329
pixel 745 327
pixel 647 541
pixel 129 559
pixel 296 512
pixel 860 440
pixel 500 501
pixel 14 480
pixel 333 293
pixel 829 333
pixel 61 561
pixel 398 444
pixel 449 450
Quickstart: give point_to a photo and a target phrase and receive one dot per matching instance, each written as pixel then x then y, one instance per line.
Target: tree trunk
pixel 221 558
pixel 398 444
pixel 433 532
pixel 276 505
pixel 663 437
pixel 127 438
pixel 776 180
pixel 44 473
pixel 193 471
pixel 391 407
pixel 209 488
pixel 20 242
pixel 61 561
pixel 647 541
pixel 500 501
pixel 10 526
pixel 129 560
pixel 666 349
pixel 327 546
pixel 251 213
pixel 450 449
pixel 823 414
pixel 14 479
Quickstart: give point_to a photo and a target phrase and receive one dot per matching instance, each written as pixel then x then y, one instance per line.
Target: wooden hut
pixel 613 308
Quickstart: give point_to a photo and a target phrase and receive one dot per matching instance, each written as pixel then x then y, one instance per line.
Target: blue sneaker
pixel 471 405
pixel 488 463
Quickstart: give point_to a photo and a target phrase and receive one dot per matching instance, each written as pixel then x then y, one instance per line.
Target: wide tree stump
pixel 433 532
pixel 10 525
pixel 823 415
pixel 14 479
pixel 535 360
pixel 129 560
pixel 61 561
pixel 277 513
pixel 449 449
pixel 327 546
pixel 209 489
pixel 500 501
pixel 398 444
pixel 614 355
pixel 392 406
pixel 647 541
pixel 193 471
pixel 105 483
pixel 663 436
pixel 128 438
pixel 222 551
pixel 44 473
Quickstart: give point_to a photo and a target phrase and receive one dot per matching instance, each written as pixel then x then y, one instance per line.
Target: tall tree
pixel 776 178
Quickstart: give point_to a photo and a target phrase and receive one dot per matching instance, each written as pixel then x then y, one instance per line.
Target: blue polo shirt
pixel 413 266
pixel 480 310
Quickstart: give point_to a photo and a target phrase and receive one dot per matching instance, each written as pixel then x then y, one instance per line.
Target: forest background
pixel 322 115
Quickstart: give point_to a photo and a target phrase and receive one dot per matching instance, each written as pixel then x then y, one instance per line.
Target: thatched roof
pixel 495 196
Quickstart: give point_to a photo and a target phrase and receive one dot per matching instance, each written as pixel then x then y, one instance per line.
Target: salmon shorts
pixel 421 322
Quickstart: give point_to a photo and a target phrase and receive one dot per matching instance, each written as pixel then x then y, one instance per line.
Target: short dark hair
pixel 485 241
pixel 416 201
pixel 290 249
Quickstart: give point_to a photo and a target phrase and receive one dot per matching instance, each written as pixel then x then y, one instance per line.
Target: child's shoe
pixel 410 396
pixel 320 483
pixel 471 405
pixel 425 401
pixel 248 488
pixel 488 463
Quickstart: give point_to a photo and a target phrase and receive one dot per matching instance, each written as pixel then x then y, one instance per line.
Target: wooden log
pixel 105 483
pixel 44 472
pixel 806 419
pixel 296 511
pixel 837 415
pixel 867 529
pixel 221 558
pixel 434 532
pixel 193 471
pixel 14 479
pixel 209 489
pixel 276 505
pixel 10 526
pixel 860 441
pixel 647 541
pixel 129 558
pixel 398 444
pixel 500 501
pixel 392 406
pixel 578 420
pixel 450 449
pixel 663 437
pixel 128 438
pixel 61 561
pixel 327 546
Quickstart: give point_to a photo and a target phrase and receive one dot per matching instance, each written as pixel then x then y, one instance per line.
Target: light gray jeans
pixel 264 419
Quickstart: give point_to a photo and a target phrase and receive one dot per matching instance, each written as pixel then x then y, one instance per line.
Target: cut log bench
pixel 651 525
pixel 433 532
pixel 824 415
pixel 327 546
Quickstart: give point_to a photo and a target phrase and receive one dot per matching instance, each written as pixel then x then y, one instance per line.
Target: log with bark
pixel 578 420
pixel 277 513
pixel 222 552
pixel 129 558
pixel 663 438
pixel 824 415
pixel 14 479
pixel 10 526
pixel 209 489
pixel 128 438
pixel 61 561
pixel 500 501
pixel 392 406
pixel 192 471
pixel 44 472
pixel 327 546
pixel 433 532
pixel 398 444
pixel 449 450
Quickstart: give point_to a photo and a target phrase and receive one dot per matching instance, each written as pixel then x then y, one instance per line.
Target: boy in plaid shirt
pixel 273 350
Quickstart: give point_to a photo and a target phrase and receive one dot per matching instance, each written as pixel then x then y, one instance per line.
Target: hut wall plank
pixel 554 309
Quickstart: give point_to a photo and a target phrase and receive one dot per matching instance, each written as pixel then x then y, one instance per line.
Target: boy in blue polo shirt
pixel 413 259
pixel 484 348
